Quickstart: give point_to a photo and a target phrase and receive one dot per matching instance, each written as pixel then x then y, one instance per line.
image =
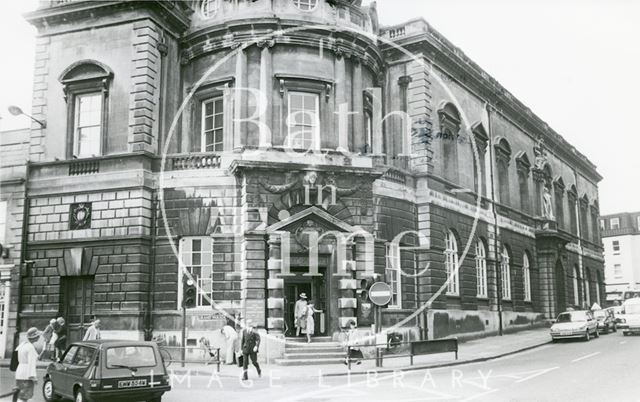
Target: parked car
pixel 107 370
pixel 606 320
pixel 575 324
pixel 631 315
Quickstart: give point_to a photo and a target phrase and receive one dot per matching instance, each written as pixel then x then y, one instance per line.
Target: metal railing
pixel 194 161
pixel 415 348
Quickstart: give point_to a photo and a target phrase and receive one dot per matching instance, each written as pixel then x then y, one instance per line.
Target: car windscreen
pixel 572 317
pixel 130 357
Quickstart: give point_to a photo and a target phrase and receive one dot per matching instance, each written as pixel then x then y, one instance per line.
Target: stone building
pixel 621 242
pixel 231 133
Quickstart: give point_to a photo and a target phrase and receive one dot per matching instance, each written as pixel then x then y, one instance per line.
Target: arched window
pixel 479 168
pixel 573 217
pixel 559 187
pixel 449 119
pixel 86 86
pixel 451 264
pixel 209 8
pixel 524 167
pixel 505 271
pixel 584 220
pixel 503 159
pixel 481 269
pixel 526 277
pixel 576 286
pixel 306 5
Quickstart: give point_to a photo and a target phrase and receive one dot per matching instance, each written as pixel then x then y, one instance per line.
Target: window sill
pixel 453 295
pixel 482 297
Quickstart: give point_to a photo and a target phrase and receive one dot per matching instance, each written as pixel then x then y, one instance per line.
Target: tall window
pixel 526 277
pixel 306 5
pixel 88 125
pixel 451 264
pixel 392 274
pixel 614 223
pixel 196 258
pixel 449 120
pixel 479 167
pixel 209 8
pixel 368 132
pixel 576 286
pixel 481 269
pixel 523 167
pixel 85 85
pixel 505 268
pixel 3 223
pixel 304 120
pixel 503 158
pixel 212 125
pixel 602 227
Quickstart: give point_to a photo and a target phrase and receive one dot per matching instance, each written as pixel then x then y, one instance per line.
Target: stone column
pixel 359 139
pixel 341 90
pixel 347 286
pixel 240 109
pixel 266 90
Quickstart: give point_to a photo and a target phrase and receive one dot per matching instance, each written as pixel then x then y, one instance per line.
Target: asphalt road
pixel 604 369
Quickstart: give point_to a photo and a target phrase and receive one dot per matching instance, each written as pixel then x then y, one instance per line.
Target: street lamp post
pixel 16 111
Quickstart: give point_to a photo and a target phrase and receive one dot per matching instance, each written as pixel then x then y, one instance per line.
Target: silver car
pixel 575 324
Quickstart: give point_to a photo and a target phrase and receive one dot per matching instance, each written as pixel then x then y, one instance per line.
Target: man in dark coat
pixel 250 344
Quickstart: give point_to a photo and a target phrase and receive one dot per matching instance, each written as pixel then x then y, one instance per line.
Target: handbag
pixel 13 365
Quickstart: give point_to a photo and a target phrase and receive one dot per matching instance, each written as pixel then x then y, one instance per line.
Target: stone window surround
pixel 526 276
pixel 505 272
pixel 451 264
pixel 74 83
pixel 313 85
pixel 207 91
pixel 449 122
pixel 481 270
pixel 393 263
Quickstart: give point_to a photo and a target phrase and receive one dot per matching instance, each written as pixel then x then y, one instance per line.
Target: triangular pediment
pixel 316 215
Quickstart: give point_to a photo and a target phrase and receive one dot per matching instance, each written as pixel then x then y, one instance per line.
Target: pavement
pixel 477 350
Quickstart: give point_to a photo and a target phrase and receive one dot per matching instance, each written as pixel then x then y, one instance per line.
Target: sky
pixel 575 63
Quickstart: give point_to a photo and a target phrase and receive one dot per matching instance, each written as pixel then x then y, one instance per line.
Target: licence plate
pixel 565 333
pixel 132 383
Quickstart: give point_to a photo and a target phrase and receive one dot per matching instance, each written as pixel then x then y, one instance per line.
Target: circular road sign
pixel 380 294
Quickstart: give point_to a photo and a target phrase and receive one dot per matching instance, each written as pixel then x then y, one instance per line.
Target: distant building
pixel 114 199
pixel 14 151
pixel 621 241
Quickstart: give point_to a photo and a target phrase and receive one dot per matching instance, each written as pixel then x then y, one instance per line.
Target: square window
pixel 616 247
pixel 87 129
pixel 614 223
pixel 212 139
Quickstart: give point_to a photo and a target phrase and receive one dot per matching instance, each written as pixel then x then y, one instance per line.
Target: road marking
pixel 539 373
pixel 585 357
pixel 476 396
pixel 623 342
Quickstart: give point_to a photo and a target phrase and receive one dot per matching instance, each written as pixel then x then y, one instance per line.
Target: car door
pixel 80 364
pixel 60 376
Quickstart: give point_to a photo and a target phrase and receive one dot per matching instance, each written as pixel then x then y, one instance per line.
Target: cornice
pixel 453 62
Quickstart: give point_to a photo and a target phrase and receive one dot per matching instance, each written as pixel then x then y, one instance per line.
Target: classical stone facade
pixel 159 159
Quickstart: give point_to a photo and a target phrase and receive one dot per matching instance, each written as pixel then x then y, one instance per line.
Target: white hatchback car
pixel 575 324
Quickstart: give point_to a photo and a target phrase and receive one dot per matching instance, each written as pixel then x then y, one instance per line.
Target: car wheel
pixel 157 399
pixel 597 334
pixel 625 333
pixel 587 338
pixel 48 391
pixel 80 396
pixel 615 329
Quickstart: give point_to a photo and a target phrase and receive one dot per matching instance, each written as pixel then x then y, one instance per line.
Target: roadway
pixel 600 370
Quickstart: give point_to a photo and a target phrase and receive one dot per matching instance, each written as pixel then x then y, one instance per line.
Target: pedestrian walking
pixel 300 310
pixel 93 332
pixel 26 376
pixel 47 334
pixel 60 342
pixel 250 345
pixel 354 354
pixel 310 323
pixel 231 337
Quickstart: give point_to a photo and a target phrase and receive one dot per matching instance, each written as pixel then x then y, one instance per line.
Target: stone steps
pixel 321 351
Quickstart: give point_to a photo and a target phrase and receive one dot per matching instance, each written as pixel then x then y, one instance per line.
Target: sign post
pixel 380 295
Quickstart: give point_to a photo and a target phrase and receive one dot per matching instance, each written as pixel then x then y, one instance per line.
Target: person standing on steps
pixel 250 344
pixel 299 314
pixel 310 322
pixel 93 332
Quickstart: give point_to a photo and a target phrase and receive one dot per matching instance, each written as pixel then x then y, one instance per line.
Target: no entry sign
pixel 380 294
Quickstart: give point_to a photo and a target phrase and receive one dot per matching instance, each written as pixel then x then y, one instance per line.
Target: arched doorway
pixel 561 293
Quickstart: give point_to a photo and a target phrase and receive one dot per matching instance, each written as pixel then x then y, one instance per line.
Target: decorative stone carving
pixel 547 207
pixel 540 152
pixel 80 216
pixel 303 233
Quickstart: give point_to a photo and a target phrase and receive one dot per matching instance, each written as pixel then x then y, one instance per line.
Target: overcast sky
pixel 575 63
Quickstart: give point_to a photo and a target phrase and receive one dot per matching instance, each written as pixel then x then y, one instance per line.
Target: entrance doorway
pixel 77 305
pixel 316 289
